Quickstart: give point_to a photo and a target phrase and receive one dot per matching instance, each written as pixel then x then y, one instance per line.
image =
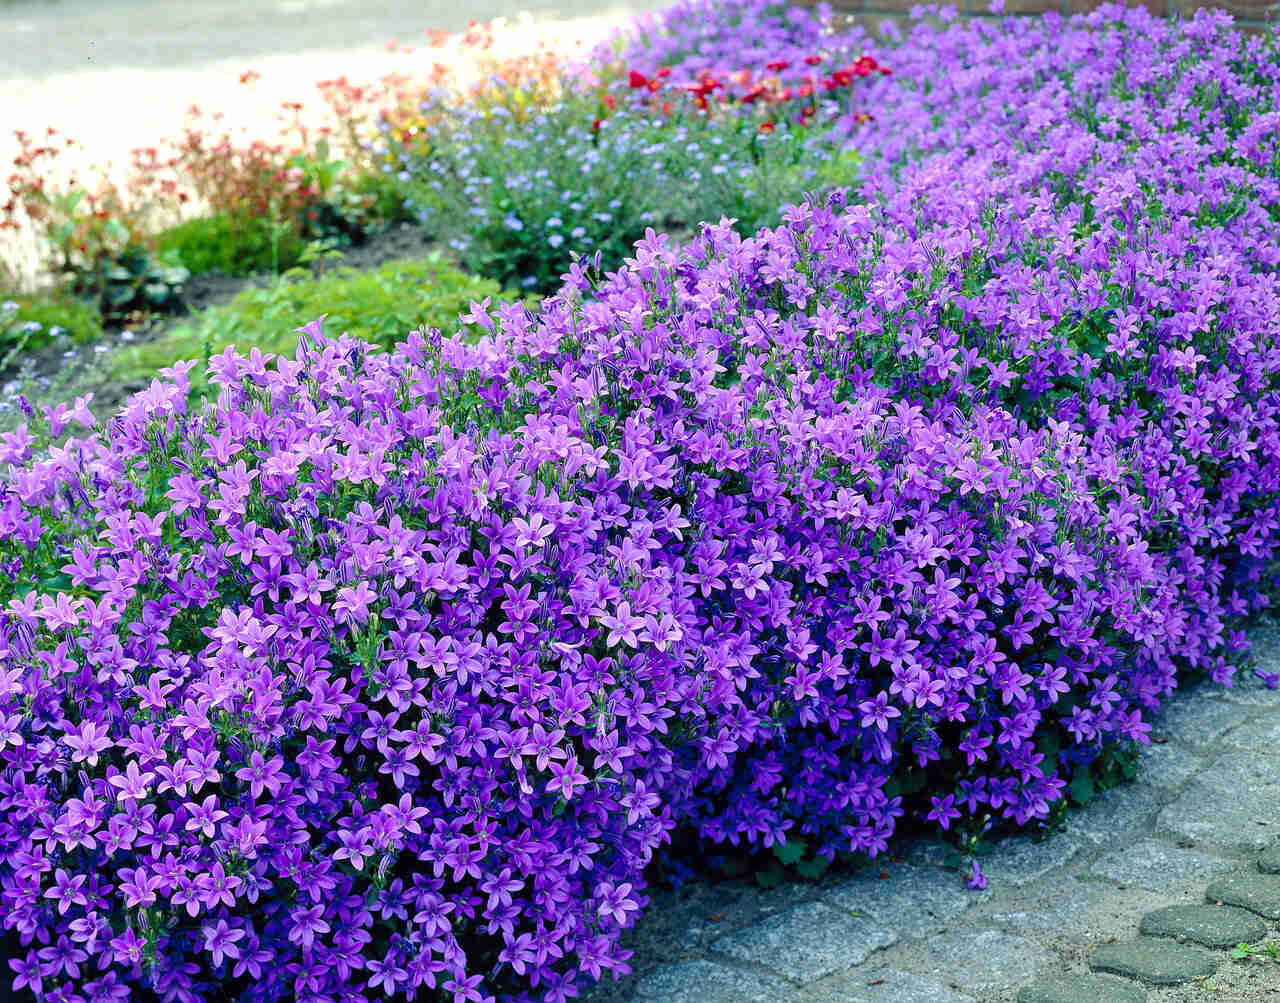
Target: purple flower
pixel 261 774
pixel 220 940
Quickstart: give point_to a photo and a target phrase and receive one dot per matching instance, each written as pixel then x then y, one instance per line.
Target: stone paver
pixel 1061 910
pixel 1155 962
pixel 1114 814
pixel 916 901
pixel 1021 859
pixel 1158 867
pixel 1269 862
pixel 1252 890
pixel 703 982
pixel 883 985
pixel 1078 988
pixel 1207 925
pixel 1168 766
pixel 807 941
pixel 1226 803
pixel 987 960
pixel 1261 734
pixel 1196 719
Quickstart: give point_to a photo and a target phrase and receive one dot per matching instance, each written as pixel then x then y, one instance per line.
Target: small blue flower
pixel 556 239
pixel 8 305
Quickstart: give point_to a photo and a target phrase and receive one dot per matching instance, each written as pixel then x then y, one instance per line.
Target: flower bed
pixel 393 672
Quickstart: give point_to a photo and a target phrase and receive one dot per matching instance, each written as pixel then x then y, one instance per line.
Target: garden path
pixel 1132 886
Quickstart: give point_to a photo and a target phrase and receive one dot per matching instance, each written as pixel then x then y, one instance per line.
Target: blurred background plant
pixel 537 163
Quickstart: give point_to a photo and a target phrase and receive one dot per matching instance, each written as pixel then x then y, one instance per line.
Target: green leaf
pixel 813 868
pixel 790 851
pixel 770 878
pixel 733 866
pixel 60 582
pixel 1082 788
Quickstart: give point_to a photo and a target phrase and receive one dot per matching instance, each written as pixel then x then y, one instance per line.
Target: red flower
pixel 777 66
pixel 609 102
pixel 812 60
pixel 595 125
pixel 637 79
pixel 766 127
pixel 666 107
pixel 752 94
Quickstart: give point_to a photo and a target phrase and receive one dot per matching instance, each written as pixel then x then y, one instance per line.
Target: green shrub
pixel 388 202
pixel 381 306
pixel 133 279
pixel 516 195
pixel 59 313
pixel 231 244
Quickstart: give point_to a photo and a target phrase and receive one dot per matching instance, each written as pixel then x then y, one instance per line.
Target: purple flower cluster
pixel 389 673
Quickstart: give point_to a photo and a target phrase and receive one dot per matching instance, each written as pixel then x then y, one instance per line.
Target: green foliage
pixel 517 194
pixel 232 244
pixel 1242 951
pixel 387 195
pixel 58 316
pixel 134 279
pixel 381 307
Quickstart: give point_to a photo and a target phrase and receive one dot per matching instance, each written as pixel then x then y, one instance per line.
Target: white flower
pixel 556 239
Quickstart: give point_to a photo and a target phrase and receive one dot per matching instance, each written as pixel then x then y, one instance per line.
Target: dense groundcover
pixel 390 674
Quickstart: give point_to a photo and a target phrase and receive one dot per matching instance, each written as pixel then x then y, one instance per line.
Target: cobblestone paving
pixel 1140 898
